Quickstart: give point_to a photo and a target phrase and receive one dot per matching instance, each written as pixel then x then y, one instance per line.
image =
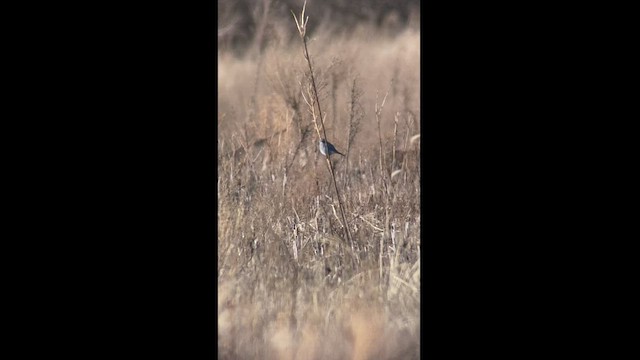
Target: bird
pixel 324 144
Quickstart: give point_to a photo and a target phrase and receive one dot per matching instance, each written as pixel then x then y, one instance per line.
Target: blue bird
pixel 323 148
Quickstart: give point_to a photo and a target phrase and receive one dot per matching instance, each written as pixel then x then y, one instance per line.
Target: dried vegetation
pixel 297 279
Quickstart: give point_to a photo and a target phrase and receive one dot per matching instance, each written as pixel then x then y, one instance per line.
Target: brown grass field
pixel 296 279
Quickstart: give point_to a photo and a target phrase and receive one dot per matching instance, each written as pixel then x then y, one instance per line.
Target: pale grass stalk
pixel 302 30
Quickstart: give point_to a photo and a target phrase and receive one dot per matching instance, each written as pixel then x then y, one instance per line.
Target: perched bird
pixel 324 144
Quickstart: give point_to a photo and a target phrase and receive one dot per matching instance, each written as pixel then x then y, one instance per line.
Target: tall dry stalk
pixel 385 188
pixel 302 30
pixel 356 114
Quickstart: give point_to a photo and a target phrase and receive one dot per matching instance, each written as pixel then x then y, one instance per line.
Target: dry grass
pixel 290 285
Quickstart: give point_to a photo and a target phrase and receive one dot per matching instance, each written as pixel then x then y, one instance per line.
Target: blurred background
pixel 291 284
pixel 247 25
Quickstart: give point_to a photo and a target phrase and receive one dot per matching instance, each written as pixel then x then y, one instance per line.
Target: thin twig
pixel 302 30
